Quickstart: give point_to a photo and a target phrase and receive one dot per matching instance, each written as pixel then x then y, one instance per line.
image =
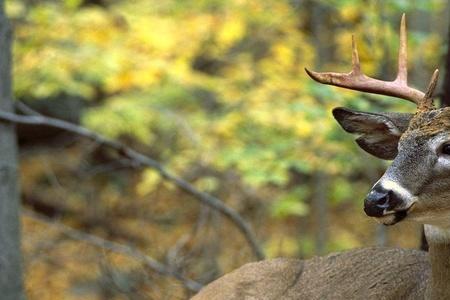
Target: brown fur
pixel 429 123
pixel 372 273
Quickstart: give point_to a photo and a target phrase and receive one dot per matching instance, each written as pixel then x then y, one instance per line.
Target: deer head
pixel 416 185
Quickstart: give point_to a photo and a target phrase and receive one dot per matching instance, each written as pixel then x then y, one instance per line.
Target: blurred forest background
pixel 214 90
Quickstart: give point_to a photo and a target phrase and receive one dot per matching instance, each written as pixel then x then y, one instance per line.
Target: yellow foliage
pixel 228 125
pixel 428 53
pixel 283 55
pixel 154 33
pixel 304 128
pixel 15 8
pixel 231 30
pixel 207 184
pixel 149 182
pixel 350 13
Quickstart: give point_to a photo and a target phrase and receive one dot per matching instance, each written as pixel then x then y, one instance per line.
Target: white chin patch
pixel 387 219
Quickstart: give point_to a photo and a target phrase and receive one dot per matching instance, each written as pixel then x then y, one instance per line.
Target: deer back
pixel 371 273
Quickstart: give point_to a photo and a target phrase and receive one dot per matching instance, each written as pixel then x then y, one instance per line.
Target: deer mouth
pixel 393 217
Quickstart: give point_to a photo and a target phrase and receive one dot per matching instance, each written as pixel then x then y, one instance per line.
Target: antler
pixel 356 80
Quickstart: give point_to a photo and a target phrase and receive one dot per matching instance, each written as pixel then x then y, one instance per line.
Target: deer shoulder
pixel 371 273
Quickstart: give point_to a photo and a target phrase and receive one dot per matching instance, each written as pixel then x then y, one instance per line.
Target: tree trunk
pixel 10 259
pixel 446 84
pixel 320 212
pixel 319 200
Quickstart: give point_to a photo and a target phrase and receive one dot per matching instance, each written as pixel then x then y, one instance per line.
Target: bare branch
pixel 114 247
pixel 26 109
pixel 140 159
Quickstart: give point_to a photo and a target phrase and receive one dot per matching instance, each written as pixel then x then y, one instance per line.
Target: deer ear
pixel 378 133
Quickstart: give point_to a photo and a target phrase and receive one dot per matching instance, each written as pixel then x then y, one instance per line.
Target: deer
pixel 414 188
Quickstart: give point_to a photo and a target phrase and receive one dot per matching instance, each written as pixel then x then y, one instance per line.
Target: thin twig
pixel 26 109
pixel 174 258
pixel 143 160
pixel 114 247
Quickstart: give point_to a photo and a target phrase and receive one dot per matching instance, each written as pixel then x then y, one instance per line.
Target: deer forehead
pixel 429 123
pixel 426 131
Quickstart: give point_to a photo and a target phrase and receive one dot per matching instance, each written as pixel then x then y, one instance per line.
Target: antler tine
pixel 402 75
pixel 356 80
pixel 356 67
pixel 427 101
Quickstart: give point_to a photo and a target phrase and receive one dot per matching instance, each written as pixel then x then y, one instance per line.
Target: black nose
pixel 377 201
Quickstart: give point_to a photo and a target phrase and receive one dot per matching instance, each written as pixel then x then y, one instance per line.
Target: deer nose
pixel 377 201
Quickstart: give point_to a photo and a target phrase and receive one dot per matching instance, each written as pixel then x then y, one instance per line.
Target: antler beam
pixel 356 80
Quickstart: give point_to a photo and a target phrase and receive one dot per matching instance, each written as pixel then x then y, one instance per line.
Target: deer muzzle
pixel 381 202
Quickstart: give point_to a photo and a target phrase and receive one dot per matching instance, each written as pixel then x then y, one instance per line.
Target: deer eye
pixel 446 149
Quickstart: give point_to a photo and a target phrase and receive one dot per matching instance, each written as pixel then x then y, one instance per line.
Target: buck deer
pixel 415 187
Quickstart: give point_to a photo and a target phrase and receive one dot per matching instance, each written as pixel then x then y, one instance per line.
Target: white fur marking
pixel 437 234
pixel 396 188
pixel 393 129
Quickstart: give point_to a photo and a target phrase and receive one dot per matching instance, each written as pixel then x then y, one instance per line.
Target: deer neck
pixel 439 252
